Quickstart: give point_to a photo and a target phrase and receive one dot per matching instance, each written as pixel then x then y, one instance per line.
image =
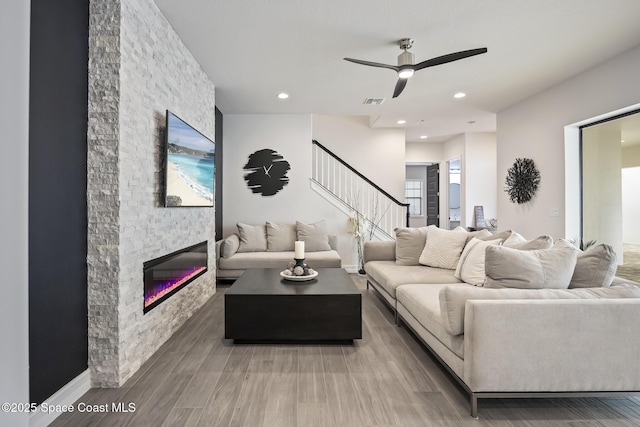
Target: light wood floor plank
pixel 183 417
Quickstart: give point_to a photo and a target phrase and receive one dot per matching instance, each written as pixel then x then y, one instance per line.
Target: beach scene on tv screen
pixel 190 165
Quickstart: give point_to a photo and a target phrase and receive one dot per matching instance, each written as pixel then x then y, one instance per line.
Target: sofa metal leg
pixel 367 284
pixel 474 406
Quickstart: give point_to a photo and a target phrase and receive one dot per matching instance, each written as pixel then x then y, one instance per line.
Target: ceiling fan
pixel 406 67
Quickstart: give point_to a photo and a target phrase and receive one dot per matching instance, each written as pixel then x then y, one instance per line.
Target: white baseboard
pixel 67 395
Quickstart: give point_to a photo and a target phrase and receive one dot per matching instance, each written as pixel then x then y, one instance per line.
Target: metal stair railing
pixel 381 211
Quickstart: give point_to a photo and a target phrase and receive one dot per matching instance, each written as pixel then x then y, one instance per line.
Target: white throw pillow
pixel 443 248
pixel 471 265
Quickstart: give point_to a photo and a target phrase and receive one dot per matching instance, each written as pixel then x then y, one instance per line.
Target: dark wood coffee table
pixel 261 306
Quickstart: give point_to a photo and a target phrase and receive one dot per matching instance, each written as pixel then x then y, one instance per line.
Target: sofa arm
pixel 379 251
pixel 548 346
pixel 218 251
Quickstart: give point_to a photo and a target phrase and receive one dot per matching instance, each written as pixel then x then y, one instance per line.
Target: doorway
pixel 453 195
pixel 422 193
pixel 610 170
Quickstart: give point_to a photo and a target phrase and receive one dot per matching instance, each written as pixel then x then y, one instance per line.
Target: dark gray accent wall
pixel 57 194
pixel 218 173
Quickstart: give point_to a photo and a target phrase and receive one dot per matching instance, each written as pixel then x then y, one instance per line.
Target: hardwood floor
pixel 386 379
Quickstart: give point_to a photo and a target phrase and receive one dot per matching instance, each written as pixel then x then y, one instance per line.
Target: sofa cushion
pixel 389 275
pixel 315 236
pixel 409 244
pixel 453 298
pixel 244 260
pixel 423 303
pixel 480 234
pixel 443 247
pixel 471 265
pixel 280 237
pixel 543 268
pixel 595 267
pixel 516 241
pixel 253 238
pixel 230 245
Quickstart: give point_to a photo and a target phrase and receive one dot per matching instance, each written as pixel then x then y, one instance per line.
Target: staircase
pixel 356 195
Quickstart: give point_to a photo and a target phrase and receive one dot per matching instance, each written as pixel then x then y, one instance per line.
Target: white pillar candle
pixel 299 250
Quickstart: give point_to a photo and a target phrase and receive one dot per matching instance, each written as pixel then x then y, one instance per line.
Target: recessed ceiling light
pixel 401 122
pixel 423 136
pixel 283 95
pixel 460 95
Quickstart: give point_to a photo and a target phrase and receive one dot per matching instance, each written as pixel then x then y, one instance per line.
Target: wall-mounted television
pixel 189 165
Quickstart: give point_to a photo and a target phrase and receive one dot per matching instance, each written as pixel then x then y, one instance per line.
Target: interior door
pixel 433 195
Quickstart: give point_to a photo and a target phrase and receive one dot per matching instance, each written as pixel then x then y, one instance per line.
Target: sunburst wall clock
pixel 523 180
pixel 266 172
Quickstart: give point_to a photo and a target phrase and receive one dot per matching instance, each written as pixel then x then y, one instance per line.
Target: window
pixel 413 194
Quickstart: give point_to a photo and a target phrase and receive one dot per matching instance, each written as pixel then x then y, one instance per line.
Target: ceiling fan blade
pixel 449 58
pixel 399 87
pixel 372 64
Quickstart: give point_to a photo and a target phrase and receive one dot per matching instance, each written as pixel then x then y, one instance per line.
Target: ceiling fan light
pixel 405 73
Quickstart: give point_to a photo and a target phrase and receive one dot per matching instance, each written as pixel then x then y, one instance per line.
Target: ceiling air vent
pixel 373 101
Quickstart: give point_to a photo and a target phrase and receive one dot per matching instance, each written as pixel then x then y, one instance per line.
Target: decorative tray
pixel 299 278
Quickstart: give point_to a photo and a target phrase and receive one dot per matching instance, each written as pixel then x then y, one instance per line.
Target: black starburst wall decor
pixel 266 172
pixel 523 180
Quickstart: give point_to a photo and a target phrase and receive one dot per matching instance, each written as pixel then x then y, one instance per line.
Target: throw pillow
pixel 280 237
pixel 502 236
pixel 516 241
pixel 470 234
pixel 443 248
pixel 253 238
pixel 535 269
pixel 471 265
pixel 230 245
pixel 315 236
pixel 409 244
pixel 596 267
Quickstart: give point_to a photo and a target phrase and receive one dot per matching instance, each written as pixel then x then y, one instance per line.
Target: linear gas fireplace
pixel 166 275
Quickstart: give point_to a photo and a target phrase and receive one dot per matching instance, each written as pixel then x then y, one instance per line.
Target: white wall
pixel 602 187
pixel 630 199
pixel 451 150
pixel 290 136
pixel 535 128
pixel 480 175
pixel 631 156
pixel 423 152
pixel 377 153
pixel 14 122
pixel 630 205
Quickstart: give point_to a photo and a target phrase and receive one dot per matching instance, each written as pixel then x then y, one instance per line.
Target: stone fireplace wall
pixel 138 68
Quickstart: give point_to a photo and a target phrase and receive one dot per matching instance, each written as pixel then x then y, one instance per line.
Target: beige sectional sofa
pixel 271 245
pixel 547 320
